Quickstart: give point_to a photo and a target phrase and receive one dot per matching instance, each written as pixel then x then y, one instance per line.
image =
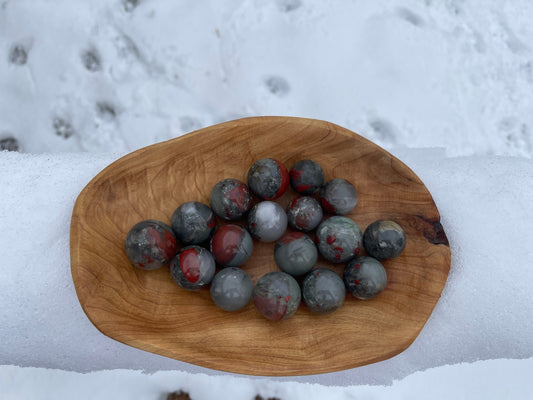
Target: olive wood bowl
pixel 147 310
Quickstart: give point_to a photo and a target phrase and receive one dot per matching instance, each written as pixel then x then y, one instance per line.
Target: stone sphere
pixel 277 295
pixel 231 245
pixel 323 291
pixel 306 177
pixel 364 277
pixel 268 178
pixel 192 268
pixel 150 244
pixel 384 239
pixel 230 199
pixel 267 221
pixel 193 222
pixel 231 289
pixel 304 214
pixel 295 253
pixel 338 239
pixel 338 196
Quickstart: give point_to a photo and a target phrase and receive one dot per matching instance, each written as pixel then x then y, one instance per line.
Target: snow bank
pixel 118 75
pixel 485 311
pixel 494 379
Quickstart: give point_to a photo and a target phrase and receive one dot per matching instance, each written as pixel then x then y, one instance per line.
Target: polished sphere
pixel 365 277
pixel 338 239
pixel 230 199
pixel 192 268
pixel 231 245
pixel 306 177
pixel 295 253
pixel 231 289
pixel 193 222
pixel 277 295
pixel 304 214
pixel 268 178
pixel 323 291
pixel 338 196
pixel 150 244
pixel 267 221
pixel 384 240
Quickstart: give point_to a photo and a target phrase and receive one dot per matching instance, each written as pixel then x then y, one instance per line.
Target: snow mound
pixel 485 311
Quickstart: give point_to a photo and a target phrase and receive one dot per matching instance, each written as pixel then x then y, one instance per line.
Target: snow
pixel 484 313
pixel 494 379
pixel 118 75
pixel 444 85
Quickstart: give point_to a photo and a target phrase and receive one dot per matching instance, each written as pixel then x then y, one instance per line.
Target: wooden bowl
pixel 145 309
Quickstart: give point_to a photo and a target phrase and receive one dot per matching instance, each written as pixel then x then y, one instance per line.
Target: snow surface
pixel 118 75
pixel 494 379
pixel 109 77
pixel 485 311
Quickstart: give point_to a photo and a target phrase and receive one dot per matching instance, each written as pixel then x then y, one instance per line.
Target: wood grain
pixel 145 309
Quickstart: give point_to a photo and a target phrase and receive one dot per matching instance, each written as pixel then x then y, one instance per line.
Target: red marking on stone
pixel 141 265
pixel 190 264
pixel 330 239
pixel 338 249
pixel 287 298
pixel 238 196
pixel 338 256
pixel 302 188
pixel 225 243
pixel 301 221
pixel 357 266
pixel 295 174
pixel 253 224
pixel 317 240
pixel 164 244
pixel 327 206
pixel 356 281
pixel 284 184
pixel 294 203
pixel 291 237
pixel 211 222
pixel 271 308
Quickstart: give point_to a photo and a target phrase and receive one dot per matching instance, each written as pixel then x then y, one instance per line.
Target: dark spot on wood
pixel 432 229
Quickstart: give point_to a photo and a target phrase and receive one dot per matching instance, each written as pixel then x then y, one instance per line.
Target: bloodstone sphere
pixel 230 199
pixel 338 239
pixel 192 268
pixel 231 245
pixel 295 253
pixel 268 178
pixel 304 214
pixel 365 277
pixel 267 221
pixel 306 177
pixel 277 295
pixel 323 291
pixel 384 239
pixel 338 196
pixel 193 222
pixel 150 244
pixel 231 289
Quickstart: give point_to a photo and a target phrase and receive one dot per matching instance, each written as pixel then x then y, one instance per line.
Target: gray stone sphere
pixel 295 253
pixel 365 277
pixel 267 221
pixel 231 289
pixel 192 268
pixel 338 239
pixel 323 291
pixel 384 239
pixel 277 295
pixel 193 222
pixel 304 214
pixel 338 196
